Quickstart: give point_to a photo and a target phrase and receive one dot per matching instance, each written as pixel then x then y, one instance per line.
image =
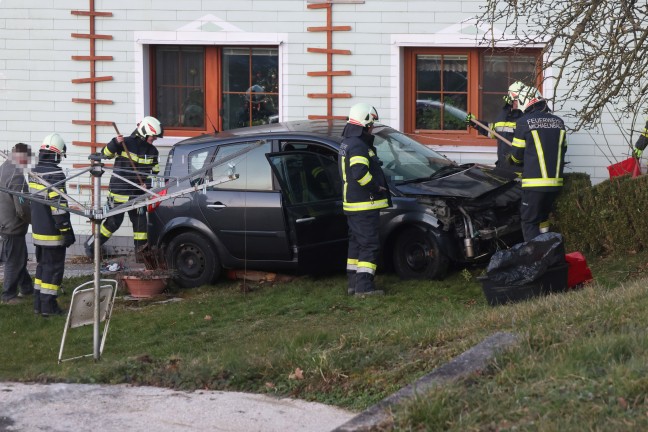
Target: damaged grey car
pixel 282 211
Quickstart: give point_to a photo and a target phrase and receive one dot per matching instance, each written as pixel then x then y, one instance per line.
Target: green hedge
pixel 608 218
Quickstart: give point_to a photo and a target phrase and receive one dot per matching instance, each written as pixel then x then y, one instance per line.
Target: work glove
pixel 68 237
pixel 67 232
pixel 637 153
pixel 469 120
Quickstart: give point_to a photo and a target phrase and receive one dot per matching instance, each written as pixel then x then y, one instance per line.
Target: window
pixel 250 87
pixel 308 177
pixel 197 160
pixel 196 89
pixel 252 167
pixel 443 85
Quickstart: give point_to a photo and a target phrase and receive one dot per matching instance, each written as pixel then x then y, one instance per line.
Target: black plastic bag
pixel 526 262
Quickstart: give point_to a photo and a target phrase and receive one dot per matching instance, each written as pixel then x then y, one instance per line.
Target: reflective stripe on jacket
pixel 539 146
pixel 362 177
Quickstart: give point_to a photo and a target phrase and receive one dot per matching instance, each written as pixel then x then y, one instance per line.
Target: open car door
pixel 312 193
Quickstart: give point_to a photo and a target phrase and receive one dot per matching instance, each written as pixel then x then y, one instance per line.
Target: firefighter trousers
pixel 364 248
pixel 534 211
pixel 49 275
pixel 137 218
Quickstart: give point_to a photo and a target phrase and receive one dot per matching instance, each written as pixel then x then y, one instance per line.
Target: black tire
pixel 418 256
pixel 193 259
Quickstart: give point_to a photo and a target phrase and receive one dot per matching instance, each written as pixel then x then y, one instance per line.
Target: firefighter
pixel 504 125
pixel 641 143
pixel 365 192
pixel 51 228
pixel 539 146
pixel 135 159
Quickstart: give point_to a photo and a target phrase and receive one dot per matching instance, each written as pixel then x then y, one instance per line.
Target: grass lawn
pixel 581 366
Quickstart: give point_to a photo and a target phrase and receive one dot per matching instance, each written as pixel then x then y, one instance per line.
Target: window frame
pixel 469 137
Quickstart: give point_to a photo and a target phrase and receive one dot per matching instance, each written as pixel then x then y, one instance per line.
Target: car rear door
pixel 246 214
pixel 312 194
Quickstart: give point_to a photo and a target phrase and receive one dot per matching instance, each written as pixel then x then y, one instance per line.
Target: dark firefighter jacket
pixel 48 221
pixel 504 125
pixel 539 146
pixel 361 174
pixel 144 157
pixel 642 142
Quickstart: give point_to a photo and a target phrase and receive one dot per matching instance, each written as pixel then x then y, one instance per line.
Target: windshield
pixel 404 159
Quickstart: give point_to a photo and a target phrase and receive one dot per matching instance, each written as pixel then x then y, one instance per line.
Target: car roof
pixel 327 129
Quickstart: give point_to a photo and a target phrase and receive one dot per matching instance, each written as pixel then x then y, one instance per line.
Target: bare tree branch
pixel 595 51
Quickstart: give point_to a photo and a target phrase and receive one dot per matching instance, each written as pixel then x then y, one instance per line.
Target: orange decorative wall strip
pixel 329 73
pixel 92 101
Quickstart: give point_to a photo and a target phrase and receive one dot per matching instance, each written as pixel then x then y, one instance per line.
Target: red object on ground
pixel 628 166
pixel 578 271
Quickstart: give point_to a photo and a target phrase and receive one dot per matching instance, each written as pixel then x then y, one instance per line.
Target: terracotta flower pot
pixel 145 288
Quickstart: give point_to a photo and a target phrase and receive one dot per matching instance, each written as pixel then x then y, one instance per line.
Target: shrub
pixel 604 219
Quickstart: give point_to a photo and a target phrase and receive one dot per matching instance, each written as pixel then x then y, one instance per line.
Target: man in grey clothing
pixel 15 216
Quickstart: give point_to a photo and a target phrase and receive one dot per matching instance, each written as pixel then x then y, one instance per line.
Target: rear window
pixel 197 160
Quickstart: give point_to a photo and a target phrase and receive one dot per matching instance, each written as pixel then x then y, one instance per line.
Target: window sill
pixel 459 139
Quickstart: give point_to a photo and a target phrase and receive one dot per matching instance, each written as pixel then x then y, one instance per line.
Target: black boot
pixel 351 282
pixel 89 246
pixel 37 302
pixel 365 285
pixel 49 306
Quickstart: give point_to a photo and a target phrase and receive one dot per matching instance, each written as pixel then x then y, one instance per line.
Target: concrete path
pixel 118 408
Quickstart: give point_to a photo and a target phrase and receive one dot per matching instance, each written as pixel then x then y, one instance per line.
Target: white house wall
pixel 36 70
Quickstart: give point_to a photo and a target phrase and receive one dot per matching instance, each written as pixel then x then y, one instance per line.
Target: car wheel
pixel 193 259
pixel 417 256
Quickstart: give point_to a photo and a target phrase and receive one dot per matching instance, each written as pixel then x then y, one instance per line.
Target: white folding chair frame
pixel 81 311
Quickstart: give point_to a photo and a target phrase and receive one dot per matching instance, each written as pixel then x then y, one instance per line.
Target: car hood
pixel 472 182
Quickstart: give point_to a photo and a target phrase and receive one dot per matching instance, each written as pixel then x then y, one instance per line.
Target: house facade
pixel 76 66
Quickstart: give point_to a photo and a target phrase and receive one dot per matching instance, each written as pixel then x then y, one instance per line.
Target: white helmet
pixel 150 126
pixel 362 114
pixel 527 97
pixel 53 142
pixel 514 92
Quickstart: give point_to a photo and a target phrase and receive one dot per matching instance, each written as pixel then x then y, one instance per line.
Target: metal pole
pixel 486 128
pixel 97 217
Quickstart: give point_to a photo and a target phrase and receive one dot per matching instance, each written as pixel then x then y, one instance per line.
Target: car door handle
pixel 305 219
pixel 216 205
